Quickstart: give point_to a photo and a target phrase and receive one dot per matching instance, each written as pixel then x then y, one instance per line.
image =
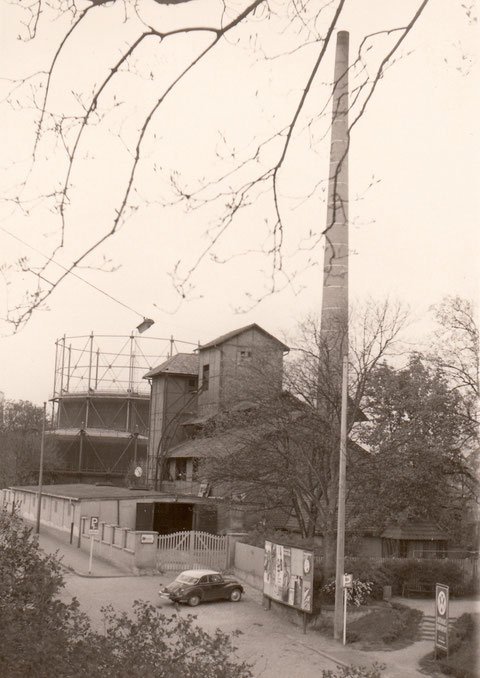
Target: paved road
pixel 276 648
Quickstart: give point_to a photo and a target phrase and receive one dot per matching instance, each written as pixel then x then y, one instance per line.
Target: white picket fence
pixel 191 551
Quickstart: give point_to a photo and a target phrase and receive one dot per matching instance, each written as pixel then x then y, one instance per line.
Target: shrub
pixel 386 624
pixel 462 630
pixel 402 570
pixel 462 661
pixel 41 636
pixel 357 595
pixel 374 671
pixel 367 569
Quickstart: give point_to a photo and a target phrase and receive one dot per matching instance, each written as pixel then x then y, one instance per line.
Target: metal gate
pixel 191 551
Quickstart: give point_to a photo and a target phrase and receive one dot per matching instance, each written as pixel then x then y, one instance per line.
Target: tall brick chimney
pixel 334 318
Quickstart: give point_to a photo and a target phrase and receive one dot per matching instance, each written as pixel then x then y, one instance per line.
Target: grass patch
pixel 463 659
pixel 381 628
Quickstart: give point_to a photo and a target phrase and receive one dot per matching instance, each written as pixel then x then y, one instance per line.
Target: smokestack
pixel 334 322
pixel 334 319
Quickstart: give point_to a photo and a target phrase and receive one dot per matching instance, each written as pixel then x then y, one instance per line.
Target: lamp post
pixel 145 325
pixel 340 560
pixel 40 473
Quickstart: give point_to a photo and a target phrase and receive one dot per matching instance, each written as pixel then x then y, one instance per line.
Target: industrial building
pixel 100 405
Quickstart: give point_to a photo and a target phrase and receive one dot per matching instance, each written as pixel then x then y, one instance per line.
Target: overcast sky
pixel 414 168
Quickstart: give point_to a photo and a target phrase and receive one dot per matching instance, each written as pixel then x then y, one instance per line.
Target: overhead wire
pixel 70 272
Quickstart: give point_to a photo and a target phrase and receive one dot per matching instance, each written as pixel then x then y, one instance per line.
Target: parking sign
pixel 441 616
pixel 93 529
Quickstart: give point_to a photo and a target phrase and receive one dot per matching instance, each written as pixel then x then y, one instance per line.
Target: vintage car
pixel 195 586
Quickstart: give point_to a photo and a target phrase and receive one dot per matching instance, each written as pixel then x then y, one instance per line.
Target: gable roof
pixel 204 447
pixel 225 337
pixel 181 363
pixel 415 529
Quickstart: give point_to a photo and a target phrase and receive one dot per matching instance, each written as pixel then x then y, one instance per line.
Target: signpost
pixel 347 584
pixel 441 617
pixel 92 531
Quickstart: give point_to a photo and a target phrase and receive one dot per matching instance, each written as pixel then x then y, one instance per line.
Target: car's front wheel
pixel 193 601
pixel 235 595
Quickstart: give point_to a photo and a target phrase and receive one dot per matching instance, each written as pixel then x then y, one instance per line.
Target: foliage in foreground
pixel 463 659
pixel 374 671
pixel 41 636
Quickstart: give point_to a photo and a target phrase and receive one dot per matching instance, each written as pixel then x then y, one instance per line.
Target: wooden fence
pixel 191 551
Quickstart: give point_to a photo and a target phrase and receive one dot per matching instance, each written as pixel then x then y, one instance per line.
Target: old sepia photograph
pixel 239 339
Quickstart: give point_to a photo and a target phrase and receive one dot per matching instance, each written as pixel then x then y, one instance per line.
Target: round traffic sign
pixel 441 603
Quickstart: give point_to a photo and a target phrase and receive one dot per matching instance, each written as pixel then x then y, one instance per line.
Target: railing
pixel 192 550
pixel 191 487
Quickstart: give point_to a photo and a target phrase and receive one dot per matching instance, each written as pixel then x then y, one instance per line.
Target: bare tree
pixel 285 451
pixel 456 348
pixel 100 103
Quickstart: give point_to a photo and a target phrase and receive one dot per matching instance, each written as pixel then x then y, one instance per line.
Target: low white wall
pixel 57 512
pixel 248 564
pixel 121 546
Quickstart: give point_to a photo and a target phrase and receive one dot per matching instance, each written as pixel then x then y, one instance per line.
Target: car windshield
pixel 187 579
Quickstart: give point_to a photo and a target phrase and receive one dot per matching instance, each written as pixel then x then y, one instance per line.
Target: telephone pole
pixel 40 473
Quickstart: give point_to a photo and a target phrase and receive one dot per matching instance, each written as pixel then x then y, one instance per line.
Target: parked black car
pixel 195 586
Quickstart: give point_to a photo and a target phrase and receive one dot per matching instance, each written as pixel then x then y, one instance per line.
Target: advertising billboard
pixel 288 575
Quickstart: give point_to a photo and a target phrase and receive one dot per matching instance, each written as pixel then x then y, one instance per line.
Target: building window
pixel 205 377
pixel 195 467
pixel 192 384
pixel 181 469
pixel 244 355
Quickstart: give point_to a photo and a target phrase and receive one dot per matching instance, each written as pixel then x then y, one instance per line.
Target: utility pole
pixel 40 473
pixel 342 471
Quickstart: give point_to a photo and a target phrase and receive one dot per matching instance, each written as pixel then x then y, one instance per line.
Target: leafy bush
pixel 357 595
pixel 384 626
pixel 41 636
pixel 374 671
pixel 462 661
pixel 462 630
pixel 402 570
pixel 367 569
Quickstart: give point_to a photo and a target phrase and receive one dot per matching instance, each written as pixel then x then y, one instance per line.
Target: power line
pixel 68 271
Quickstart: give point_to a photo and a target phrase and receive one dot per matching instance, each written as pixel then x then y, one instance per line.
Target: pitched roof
pixel 181 363
pixel 421 530
pixel 205 447
pixel 225 337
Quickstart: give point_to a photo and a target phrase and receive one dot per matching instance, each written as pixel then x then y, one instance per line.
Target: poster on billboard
pixel 288 575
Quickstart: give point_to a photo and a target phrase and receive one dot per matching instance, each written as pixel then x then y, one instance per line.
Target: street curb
pixel 100 576
pixel 338 662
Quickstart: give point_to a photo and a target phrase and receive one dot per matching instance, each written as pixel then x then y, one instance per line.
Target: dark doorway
pixel 169 518
pixel 144 519
pixel 206 518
